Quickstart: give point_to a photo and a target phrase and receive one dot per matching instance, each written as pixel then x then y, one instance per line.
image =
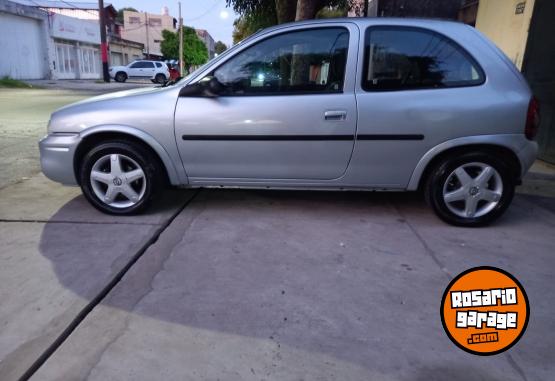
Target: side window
pixel 158 64
pixel 308 61
pixel 135 65
pixel 148 65
pixel 398 58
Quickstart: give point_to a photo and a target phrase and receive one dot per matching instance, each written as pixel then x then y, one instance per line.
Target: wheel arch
pixel 95 135
pixel 438 153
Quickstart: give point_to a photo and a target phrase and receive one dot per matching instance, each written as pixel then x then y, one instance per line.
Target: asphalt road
pixel 254 285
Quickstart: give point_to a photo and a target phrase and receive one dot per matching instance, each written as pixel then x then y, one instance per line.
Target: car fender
pixel 176 177
pixel 514 142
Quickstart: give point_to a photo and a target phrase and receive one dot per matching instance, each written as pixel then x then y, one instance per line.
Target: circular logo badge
pixel 485 310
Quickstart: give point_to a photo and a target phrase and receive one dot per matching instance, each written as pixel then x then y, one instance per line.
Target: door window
pixel 142 65
pixel 402 58
pixel 308 61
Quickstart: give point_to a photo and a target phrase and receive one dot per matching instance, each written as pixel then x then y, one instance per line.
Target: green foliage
pixel 119 17
pixel 260 14
pixel 251 22
pixel 220 47
pixel 8 82
pixel 331 12
pixel 194 50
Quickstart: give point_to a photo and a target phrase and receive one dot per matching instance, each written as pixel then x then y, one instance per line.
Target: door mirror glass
pixel 208 87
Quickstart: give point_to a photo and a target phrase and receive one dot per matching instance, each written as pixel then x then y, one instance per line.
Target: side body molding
pixel 176 176
pixel 514 142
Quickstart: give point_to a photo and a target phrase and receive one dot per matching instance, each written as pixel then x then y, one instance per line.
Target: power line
pixel 212 7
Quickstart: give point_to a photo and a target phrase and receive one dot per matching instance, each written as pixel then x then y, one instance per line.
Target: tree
pixel 220 47
pixel 119 17
pixel 258 14
pixel 194 50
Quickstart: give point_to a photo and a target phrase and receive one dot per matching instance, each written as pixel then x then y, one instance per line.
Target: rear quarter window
pixel 408 58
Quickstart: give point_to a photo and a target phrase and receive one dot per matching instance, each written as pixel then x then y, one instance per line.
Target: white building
pixel 59 40
pixel 77 47
pixel 24 40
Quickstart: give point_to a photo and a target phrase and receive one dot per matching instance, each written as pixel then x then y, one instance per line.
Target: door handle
pixel 335 115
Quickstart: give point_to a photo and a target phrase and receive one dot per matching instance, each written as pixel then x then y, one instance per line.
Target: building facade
pixel 208 41
pixel 59 40
pixel 26 50
pixel 146 28
pixel 525 31
pixel 76 48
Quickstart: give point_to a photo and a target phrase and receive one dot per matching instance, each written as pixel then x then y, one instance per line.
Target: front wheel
pixel 473 189
pixel 119 177
pixel 120 77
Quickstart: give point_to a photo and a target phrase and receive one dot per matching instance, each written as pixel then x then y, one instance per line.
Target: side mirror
pixel 193 90
pixel 215 87
pixel 211 88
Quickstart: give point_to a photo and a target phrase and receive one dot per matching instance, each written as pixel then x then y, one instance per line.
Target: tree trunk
pixel 285 10
pixel 307 9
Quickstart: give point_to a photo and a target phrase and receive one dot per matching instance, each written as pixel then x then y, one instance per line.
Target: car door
pixel 148 69
pixel 135 69
pixel 287 111
pixel 418 88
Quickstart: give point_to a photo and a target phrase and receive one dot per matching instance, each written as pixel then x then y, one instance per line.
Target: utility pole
pixel 147 44
pixel 103 44
pixel 180 42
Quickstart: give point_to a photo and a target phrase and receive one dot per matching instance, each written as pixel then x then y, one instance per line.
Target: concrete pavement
pixel 302 285
pixel 57 255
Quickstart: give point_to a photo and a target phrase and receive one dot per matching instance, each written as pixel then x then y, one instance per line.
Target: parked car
pixel 156 71
pixel 368 104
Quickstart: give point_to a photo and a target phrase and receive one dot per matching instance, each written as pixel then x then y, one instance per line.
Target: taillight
pixel 532 119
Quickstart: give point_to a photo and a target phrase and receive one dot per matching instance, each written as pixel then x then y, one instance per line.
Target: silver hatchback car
pixel 352 104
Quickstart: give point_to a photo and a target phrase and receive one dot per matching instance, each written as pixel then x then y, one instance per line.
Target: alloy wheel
pixel 473 190
pixel 118 181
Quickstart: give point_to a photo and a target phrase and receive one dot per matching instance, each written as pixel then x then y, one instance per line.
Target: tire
pixel 118 192
pixel 160 78
pixel 466 198
pixel 120 76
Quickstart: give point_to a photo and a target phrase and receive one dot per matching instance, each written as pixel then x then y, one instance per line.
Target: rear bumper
pixel 527 155
pixel 56 157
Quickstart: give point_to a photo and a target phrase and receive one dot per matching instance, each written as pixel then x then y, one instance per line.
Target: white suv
pixel 156 71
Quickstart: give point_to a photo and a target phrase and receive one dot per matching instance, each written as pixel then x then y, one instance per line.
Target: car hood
pixel 115 95
pixel 122 107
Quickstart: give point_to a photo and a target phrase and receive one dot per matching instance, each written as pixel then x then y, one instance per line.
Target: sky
pixel 200 14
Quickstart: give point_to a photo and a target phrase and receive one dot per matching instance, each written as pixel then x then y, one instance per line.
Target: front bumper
pixel 56 157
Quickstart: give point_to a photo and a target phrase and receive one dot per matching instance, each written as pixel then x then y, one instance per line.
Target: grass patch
pixel 10 83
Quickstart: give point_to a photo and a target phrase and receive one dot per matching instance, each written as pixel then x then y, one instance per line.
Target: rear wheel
pixel 120 177
pixel 160 78
pixel 473 189
pixel 120 77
